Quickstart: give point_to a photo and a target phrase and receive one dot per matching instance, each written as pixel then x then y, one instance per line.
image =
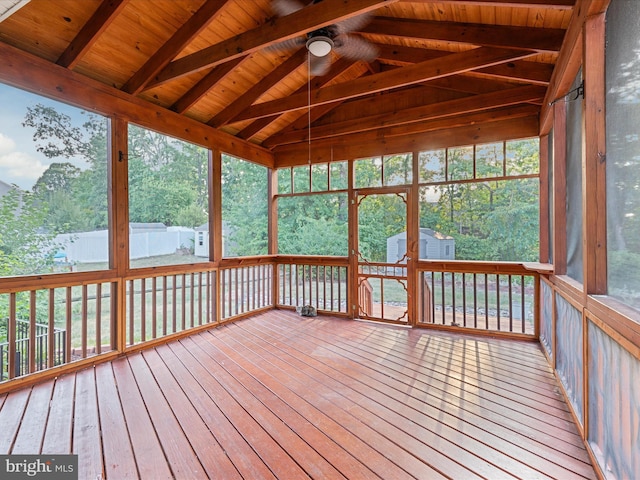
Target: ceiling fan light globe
pixel 319 46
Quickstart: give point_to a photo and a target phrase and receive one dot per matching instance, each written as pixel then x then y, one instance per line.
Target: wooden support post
pixel 594 205
pixel 559 188
pixel 118 159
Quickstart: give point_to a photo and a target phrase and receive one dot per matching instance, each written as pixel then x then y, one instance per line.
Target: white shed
pixel 433 245
pixel 201 244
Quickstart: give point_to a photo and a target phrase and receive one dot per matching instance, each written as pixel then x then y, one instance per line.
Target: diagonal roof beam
pixel 89 33
pixel 555 4
pixel 547 40
pixel 247 98
pixel 337 69
pixel 531 72
pixel 399 77
pixel 503 98
pixel 183 36
pixel 304 20
pixel 210 80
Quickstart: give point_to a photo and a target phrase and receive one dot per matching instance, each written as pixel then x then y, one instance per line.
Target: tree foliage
pixel 168 183
pixel 244 207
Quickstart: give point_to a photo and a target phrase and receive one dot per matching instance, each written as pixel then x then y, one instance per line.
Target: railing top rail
pixel 168 270
pixel 56 280
pixel 246 261
pixel 482 267
pixel 312 260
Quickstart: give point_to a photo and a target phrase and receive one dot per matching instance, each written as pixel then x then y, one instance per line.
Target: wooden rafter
pixel 187 32
pixel 555 4
pixel 90 32
pixel 279 29
pixel 420 72
pixel 417 114
pixel 209 81
pixel 374 143
pixel 337 69
pixel 255 92
pixel 539 39
pixel 530 72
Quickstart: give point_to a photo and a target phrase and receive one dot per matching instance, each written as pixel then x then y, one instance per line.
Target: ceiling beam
pixel 337 69
pixel 555 4
pixel 183 36
pixel 374 144
pixel 530 72
pixel 277 30
pixel 406 116
pixel 548 40
pixel 90 32
pixel 206 83
pixel 400 77
pixel 254 93
pixel 40 76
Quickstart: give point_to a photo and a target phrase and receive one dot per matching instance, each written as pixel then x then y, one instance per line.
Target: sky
pixel 20 163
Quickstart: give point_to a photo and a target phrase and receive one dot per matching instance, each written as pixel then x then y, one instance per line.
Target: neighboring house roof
pixel 434 234
pixel 425 231
pixel 4 188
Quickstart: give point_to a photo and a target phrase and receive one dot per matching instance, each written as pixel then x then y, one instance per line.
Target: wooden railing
pixel 161 305
pixel 246 286
pixel 496 297
pixel 78 316
pixel 43 328
pixel 319 282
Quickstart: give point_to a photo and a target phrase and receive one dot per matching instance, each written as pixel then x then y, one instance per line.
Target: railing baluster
pixel 183 301
pixel 464 300
pixel 235 290
pixel 200 305
pixel 498 300
pixel 191 300
pixel 31 367
pixel 11 336
pixel 475 301
pixel 510 305
pixel 143 310
pixel 51 330
pixel 84 319
pixel 486 302
pixel 174 306
pixel 131 312
pixel 165 316
pixel 98 319
pixel 522 304
pixel 154 307
pixel 68 326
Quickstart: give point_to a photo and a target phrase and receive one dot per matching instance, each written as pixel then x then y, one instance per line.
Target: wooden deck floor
pixel 280 396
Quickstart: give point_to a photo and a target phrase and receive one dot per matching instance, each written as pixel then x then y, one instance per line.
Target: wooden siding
pixel 281 396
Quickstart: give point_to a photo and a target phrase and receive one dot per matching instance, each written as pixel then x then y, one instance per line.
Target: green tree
pixel 57 136
pixel 168 180
pixel 244 206
pixel 24 248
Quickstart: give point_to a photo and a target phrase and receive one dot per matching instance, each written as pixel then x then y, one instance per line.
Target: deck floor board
pixel 422 412
pixel 281 396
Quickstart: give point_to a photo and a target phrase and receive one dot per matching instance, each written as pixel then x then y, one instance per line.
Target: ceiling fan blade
pixel 355 48
pixel 282 8
pixel 319 65
pixel 353 24
pixel 291 44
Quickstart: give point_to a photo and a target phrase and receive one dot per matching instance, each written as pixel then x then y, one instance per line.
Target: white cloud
pixel 21 165
pixel 6 144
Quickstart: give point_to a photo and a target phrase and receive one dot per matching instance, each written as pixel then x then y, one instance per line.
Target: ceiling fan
pixel 321 43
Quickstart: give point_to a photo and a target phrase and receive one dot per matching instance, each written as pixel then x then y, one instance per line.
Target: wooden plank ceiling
pixel 439 64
